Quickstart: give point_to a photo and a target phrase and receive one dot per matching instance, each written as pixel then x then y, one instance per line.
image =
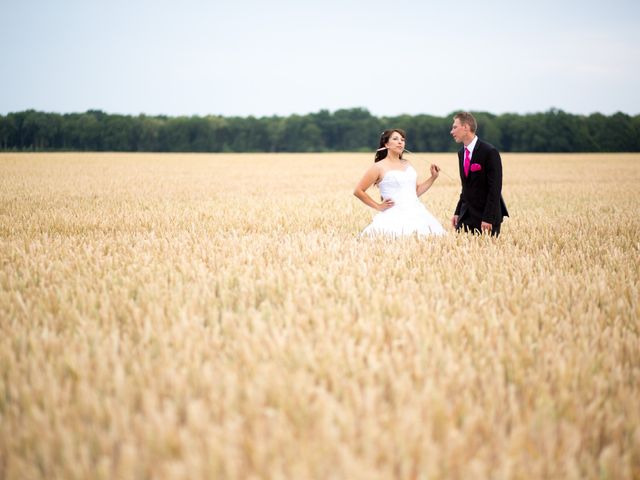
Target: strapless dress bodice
pixel 408 215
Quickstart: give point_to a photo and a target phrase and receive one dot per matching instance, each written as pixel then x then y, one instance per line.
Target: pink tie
pixel 467 162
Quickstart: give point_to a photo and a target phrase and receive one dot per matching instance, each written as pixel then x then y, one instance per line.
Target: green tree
pixel 344 130
pixel 613 134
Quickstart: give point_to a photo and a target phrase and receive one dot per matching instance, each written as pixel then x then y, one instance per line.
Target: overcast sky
pixel 278 57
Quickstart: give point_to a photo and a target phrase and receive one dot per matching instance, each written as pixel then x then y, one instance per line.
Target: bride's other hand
pixel 435 170
pixel 388 203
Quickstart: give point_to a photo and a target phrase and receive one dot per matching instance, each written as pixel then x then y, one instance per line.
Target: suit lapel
pixel 476 148
pixel 474 155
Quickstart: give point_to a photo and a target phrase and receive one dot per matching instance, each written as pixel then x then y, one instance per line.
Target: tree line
pixel 352 129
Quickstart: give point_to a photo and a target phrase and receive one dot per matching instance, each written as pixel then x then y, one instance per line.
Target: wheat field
pixel 195 316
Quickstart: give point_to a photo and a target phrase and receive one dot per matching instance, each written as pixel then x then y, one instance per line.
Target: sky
pixel 283 57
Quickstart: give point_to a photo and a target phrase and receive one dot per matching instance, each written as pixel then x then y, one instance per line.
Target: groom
pixel 480 208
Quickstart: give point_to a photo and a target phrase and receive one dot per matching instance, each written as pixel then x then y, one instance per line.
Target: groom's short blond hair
pixel 465 118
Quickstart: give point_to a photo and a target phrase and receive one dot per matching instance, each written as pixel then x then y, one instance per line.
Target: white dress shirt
pixel 471 146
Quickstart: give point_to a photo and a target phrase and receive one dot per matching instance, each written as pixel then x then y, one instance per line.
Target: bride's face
pixel 396 143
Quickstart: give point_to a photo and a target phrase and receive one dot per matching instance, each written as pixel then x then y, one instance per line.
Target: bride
pixel 401 213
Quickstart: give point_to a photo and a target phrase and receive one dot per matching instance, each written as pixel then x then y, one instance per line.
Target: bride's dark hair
pixel 384 138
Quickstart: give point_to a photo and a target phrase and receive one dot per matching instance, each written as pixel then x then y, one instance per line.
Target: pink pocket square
pixel 476 167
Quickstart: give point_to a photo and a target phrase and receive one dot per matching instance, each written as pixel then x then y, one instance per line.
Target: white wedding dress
pixel 408 215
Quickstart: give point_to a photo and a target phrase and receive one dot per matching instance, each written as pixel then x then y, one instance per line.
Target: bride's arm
pixel 370 177
pixel 426 185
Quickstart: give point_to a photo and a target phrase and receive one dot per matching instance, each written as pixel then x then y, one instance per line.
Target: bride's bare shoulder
pixel 380 168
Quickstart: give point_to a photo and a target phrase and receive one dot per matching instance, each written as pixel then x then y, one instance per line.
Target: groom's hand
pixel 454 221
pixel 486 227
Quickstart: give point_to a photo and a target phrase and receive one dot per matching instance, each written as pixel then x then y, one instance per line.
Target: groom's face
pixel 459 131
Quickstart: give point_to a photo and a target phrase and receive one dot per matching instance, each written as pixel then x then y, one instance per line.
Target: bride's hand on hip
pixel 388 203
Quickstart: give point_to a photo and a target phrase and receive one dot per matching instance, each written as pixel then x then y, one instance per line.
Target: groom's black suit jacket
pixel 481 198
